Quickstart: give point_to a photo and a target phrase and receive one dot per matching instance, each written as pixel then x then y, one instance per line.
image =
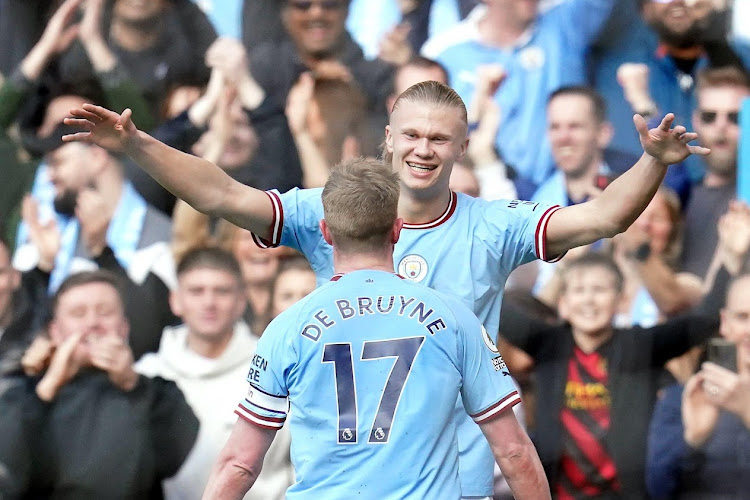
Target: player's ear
pixel 398 224
pixel 388 139
pixel 325 232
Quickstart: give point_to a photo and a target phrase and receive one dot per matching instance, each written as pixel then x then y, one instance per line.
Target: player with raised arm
pixel 367 369
pixel 453 243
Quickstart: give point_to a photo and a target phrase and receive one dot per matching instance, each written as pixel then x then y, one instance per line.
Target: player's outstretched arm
pixel 239 463
pixel 200 183
pixel 516 456
pixel 615 209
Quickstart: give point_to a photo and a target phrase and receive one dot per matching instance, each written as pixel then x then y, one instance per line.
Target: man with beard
pixel 97 219
pixel 672 39
pixel 719 96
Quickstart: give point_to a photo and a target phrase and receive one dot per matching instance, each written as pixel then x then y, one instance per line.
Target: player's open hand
pixel 667 145
pixel 102 127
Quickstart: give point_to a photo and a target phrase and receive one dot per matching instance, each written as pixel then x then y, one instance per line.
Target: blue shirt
pixel 468 252
pixel 371 365
pixel 549 55
pixel 672 90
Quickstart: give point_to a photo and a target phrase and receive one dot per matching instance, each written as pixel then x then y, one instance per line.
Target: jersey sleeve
pixel 266 403
pixel 519 229
pixel 488 388
pixel 296 218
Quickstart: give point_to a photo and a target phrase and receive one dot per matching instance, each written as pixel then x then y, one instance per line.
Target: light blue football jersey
pixel 468 252
pixel 368 368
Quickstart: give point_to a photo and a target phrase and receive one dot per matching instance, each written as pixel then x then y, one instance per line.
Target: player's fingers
pixel 699 150
pixel 82 113
pixel 679 130
pixel 79 123
pixel 78 136
pixel 666 122
pixel 688 137
pixel 125 120
pixel 640 124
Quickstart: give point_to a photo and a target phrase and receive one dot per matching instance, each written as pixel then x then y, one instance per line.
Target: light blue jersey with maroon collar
pixel 367 369
pixel 468 252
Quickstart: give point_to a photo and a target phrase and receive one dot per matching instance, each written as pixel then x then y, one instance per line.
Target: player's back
pixel 371 365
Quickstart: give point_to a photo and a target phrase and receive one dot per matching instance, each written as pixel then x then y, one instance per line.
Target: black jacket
pixel 94 440
pixel 636 357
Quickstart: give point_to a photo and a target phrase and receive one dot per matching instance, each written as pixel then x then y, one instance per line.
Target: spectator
pixel 693 441
pixel 539 51
pixel 578 134
pixel 591 378
pixel 155 45
pixel 105 431
pixel 326 118
pixel 720 93
pixel 318 41
pixel 669 38
pixel 207 357
pixel 23 301
pixel 101 221
pixel 19 93
pixel 294 280
pixel 648 255
pixel 418 69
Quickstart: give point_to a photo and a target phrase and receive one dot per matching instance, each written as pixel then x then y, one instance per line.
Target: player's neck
pixel 414 210
pixel 346 263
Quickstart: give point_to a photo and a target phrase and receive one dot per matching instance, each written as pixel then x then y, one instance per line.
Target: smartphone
pixel 743 160
pixel 723 353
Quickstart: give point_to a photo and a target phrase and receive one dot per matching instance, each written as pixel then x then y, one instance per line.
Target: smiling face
pixel 590 299
pixel 576 136
pixel 679 23
pixel 425 140
pixel 315 26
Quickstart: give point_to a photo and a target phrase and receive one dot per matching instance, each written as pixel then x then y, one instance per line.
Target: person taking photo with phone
pixel 700 434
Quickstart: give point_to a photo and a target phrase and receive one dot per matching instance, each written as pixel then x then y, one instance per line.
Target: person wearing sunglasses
pixel 317 40
pixel 674 40
pixel 719 97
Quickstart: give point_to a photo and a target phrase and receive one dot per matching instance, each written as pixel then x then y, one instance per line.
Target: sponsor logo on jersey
pixel 413 267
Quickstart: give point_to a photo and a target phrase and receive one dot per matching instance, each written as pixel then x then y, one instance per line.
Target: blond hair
pixel 360 204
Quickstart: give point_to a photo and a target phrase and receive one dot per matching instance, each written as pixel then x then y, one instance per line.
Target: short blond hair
pixel 360 204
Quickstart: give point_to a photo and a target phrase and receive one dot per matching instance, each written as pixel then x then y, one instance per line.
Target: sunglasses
pixel 305 5
pixel 708 117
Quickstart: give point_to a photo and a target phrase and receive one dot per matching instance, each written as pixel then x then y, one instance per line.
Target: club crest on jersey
pixel 413 267
pixel 489 342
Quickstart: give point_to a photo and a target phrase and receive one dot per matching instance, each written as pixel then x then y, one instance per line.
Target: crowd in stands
pixel 128 319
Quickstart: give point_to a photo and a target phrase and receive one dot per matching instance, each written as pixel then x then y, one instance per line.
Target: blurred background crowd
pixel 275 92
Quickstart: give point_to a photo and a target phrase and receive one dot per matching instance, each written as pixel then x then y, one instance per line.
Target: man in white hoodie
pixel 208 357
